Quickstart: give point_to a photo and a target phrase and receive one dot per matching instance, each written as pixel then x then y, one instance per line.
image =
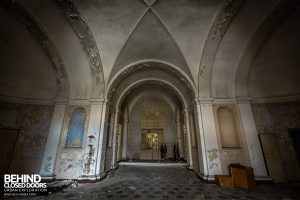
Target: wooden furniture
pixel 240 176
pixel 243 177
pixel 224 181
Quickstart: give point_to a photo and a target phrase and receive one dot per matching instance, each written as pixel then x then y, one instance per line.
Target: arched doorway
pixel 151 105
pixel 151 124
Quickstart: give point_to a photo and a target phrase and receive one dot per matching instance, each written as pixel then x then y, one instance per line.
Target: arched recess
pixel 150 74
pixel 268 74
pixel 25 18
pixel 215 36
pixel 284 11
pixel 168 99
pixel 234 42
pixel 227 126
pixel 150 108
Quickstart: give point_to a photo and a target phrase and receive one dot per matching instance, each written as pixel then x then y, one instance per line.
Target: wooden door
pixel 273 157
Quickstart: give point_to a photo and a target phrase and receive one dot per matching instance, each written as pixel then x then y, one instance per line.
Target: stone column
pixel 188 132
pixel 115 142
pixel 49 158
pixel 179 135
pixel 92 141
pixel 201 141
pixel 252 140
pixel 101 144
pixel 209 143
pixel 125 135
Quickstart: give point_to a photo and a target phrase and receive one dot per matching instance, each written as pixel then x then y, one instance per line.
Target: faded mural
pixel 76 128
pixel 277 118
pixel 32 123
pixel 70 161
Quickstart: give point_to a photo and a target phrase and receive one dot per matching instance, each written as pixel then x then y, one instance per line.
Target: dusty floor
pixel 133 182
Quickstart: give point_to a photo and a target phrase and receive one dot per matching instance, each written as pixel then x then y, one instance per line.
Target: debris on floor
pixel 57 186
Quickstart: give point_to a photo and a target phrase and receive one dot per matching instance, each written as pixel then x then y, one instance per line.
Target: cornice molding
pixel 279 99
pixel 18 100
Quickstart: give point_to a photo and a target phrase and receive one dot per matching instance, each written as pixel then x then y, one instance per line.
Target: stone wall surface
pixel 278 118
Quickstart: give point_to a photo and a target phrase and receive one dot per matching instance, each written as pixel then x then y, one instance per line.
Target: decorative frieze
pixel 87 42
pixel 226 16
pixel 148 66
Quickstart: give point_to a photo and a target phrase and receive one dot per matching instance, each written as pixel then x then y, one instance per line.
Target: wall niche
pixel 227 127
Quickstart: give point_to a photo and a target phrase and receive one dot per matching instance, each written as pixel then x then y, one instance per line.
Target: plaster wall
pixel 20 56
pixel 275 70
pixel 33 122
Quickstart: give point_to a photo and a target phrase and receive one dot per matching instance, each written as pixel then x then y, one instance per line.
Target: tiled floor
pixel 173 182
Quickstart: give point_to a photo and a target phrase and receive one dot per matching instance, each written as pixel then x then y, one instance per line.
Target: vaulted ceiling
pixel 56 49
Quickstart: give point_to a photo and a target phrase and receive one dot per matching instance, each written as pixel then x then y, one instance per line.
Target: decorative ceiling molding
pixel 87 41
pixel 148 66
pixel 225 17
pixel 214 38
pixel 27 20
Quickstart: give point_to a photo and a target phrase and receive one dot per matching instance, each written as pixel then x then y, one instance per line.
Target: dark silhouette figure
pixel 162 151
pixel 175 152
pixel 166 151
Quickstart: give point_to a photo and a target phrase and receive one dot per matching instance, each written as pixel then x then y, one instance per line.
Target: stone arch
pixel 89 46
pixel 150 73
pixel 218 29
pixel 148 65
pixel 26 19
pixel 279 14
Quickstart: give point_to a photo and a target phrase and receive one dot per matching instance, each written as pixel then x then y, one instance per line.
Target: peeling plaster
pixel 212 154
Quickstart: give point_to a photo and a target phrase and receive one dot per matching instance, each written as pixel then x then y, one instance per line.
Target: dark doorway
pixel 8 138
pixel 295 134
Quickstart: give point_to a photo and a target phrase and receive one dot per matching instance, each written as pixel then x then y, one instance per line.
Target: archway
pixel 151 101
